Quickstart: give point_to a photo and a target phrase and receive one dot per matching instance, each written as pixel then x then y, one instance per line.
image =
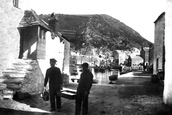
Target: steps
pixel 23 81
pixel 13 77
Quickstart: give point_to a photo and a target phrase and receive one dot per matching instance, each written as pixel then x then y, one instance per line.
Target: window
pixel 16 3
pixel 42 34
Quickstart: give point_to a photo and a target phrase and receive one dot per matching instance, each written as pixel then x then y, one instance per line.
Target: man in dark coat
pixel 83 90
pixel 53 75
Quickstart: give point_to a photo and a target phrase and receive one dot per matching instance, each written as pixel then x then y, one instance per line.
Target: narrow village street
pixel 126 46
pixel 132 94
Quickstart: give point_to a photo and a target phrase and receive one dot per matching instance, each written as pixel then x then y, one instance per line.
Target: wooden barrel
pixel 113 77
pixel 154 79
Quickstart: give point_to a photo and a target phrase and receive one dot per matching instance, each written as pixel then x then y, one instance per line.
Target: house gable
pixel 30 18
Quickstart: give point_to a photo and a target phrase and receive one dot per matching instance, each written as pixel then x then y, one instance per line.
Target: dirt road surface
pixel 132 94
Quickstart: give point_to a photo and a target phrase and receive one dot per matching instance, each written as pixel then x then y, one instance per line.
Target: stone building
pixel 32 36
pixel 159 51
pixel 26 45
pixel 38 41
pixel 147 55
pixel 151 55
pixel 25 35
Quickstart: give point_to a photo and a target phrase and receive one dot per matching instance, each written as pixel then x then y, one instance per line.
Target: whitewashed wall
pixel 168 36
pixel 10 38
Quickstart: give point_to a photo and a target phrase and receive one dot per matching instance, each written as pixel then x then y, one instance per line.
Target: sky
pixel 137 14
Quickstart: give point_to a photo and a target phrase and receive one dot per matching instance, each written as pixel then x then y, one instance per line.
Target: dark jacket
pixel 53 75
pixel 85 81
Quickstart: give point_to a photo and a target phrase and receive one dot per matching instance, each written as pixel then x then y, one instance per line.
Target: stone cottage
pixel 32 36
pixel 39 42
pixel 146 53
pixel 26 45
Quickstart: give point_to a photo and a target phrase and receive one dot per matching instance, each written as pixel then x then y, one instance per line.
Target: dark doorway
pixel 28 42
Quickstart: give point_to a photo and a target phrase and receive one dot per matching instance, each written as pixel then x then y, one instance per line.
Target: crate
pixel 67 93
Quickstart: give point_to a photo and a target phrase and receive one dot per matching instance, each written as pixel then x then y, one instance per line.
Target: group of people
pixel 54 77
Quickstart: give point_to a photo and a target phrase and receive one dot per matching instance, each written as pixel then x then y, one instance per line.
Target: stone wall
pixel 66 61
pixel 41 45
pixel 158 44
pixel 54 49
pixel 146 49
pixel 10 38
pixel 151 53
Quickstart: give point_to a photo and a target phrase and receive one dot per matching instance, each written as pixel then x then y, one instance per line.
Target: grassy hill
pixel 98 31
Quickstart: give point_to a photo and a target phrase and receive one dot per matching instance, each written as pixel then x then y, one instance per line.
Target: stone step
pixel 24 62
pixel 22 67
pixel 20 64
pixel 8 96
pixel 23 76
pixel 18 69
pixel 13 73
pixel 14 86
pixel 23 70
pixel 2 86
pixel 11 68
pixel 8 91
pixel 16 80
pixel 2 79
pixel 25 65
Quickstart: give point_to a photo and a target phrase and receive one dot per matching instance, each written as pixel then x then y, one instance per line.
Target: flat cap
pixel 85 65
pixel 53 60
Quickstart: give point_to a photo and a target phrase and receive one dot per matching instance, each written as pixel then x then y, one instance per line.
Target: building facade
pixel 25 35
pixel 159 49
pixel 10 37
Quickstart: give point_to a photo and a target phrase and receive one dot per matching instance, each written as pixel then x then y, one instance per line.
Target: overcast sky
pixel 138 14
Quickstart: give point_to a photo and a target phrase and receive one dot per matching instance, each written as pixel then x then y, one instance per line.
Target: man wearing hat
pixel 53 75
pixel 83 90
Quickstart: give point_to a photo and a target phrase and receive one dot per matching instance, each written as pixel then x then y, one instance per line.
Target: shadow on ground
pixel 130 95
pixel 5 111
pixel 139 84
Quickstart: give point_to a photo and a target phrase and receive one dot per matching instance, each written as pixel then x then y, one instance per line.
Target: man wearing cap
pixel 83 90
pixel 53 75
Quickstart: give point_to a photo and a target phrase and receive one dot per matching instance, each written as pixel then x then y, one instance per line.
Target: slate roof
pixel 31 19
pixel 62 36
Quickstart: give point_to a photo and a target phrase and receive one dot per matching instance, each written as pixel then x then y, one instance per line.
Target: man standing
pixel 83 90
pixel 53 75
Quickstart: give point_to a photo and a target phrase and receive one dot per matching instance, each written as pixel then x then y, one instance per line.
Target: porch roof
pixel 31 19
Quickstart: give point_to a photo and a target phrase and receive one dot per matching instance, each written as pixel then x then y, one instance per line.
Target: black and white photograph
pixel 85 57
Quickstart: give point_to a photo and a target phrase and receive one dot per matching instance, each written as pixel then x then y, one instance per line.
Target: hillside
pixel 98 31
